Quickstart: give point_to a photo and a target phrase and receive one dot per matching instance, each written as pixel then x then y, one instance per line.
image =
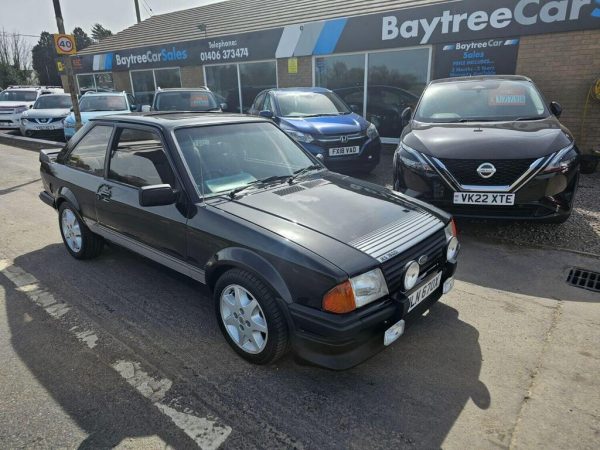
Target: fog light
pixel 448 285
pixel 411 276
pixel 393 333
pixel 452 251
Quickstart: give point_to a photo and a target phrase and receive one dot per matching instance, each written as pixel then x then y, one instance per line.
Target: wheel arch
pixel 66 194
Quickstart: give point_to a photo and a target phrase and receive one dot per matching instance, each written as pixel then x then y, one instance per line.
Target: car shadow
pixel 411 394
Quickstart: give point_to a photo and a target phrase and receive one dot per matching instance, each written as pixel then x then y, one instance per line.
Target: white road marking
pixel 208 433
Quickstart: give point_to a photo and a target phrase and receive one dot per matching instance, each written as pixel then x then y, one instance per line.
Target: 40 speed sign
pixel 64 44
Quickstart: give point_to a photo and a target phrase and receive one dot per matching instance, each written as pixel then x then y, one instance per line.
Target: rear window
pixel 185 101
pixel 487 100
pixel 103 103
pixel 18 96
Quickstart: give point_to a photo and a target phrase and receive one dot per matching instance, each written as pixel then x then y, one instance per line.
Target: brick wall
pixel 192 76
pixel 564 66
pixel 301 79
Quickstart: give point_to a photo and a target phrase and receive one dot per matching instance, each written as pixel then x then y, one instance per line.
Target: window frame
pixel 65 157
pixel 178 68
pixel 156 130
pixel 93 74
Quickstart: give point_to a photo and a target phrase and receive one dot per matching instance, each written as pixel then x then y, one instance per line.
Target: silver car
pixel 47 115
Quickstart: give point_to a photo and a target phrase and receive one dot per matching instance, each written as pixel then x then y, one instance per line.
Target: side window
pixel 269 104
pixel 131 100
pixel 257 107
pixel 138 159
pixel 90 152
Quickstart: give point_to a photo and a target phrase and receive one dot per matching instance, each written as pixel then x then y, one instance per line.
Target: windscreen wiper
pixel 524 119
pixel 299 173
pixel 264 181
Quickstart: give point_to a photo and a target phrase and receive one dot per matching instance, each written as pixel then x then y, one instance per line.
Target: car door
pixel 82 169
pixel 137 158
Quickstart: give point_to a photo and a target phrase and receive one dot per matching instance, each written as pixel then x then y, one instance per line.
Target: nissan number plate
pixel 483 198
pixel 341 151
pixel 44 127
pixel 424 291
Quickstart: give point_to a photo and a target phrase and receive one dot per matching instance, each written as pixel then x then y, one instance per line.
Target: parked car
pixel 324 125
pixel 385 106
pixel 185 99
pixel 489 147
pixel 97 104
pixel 15 100
pixel 296 256
pixel 47 115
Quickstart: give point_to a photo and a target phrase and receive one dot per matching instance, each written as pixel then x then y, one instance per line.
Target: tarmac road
pixel 120 351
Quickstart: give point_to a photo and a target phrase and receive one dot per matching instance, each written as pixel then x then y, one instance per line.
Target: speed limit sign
pixel 65 44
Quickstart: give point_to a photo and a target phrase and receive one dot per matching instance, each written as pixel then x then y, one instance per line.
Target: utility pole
pixel 68 66
pixel 137 10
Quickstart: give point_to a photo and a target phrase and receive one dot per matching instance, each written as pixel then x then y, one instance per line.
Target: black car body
pixel 516 162
pixel 297 242
pixel 324 125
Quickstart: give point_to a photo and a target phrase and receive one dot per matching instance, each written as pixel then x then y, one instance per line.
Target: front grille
pixel 44 121
pixel 507 171
pixel 434 247
pixel 334 141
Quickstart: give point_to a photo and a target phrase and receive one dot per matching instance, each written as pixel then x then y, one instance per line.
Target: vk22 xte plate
pixel 341 151
pixel 424 291
pixel 483 198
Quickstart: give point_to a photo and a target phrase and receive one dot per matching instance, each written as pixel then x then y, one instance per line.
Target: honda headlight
pixel 299 136
pixel 413 159
pixel 563 161
pixel 372 132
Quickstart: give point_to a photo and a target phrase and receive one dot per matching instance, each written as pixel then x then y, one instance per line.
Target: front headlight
pixel 413 159
pixel 453 246
pixel 299 136
pixel 411 275
pixel 24 121
pixel 356 292
pixel 372 132
pixel 20 109
pixel 563 161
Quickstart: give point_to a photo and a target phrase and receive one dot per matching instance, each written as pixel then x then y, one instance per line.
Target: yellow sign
pixel 64 44
pixel 60 66
pixel 293 65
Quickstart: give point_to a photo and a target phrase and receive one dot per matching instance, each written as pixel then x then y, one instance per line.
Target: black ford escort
pixel 297 257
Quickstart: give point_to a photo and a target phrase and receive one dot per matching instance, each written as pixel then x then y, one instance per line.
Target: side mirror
pixel 71 109
pixel 406 116
pixel 556 109
pixel 355 109
pixel 224 106
pixel 266 114
pixel 30 106
pixel 157 195
pixel 133 107
pixel 146 108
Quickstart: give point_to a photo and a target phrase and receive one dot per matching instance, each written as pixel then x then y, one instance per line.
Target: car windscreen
pixel 185 101
pixel 225 157
pixel 480 100
pixel 53 102
pixel 18 96
pixel 303 104
pixel 102 103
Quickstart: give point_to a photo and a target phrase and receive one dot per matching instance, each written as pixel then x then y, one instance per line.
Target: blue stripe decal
pixel 329 37
pixel 108 61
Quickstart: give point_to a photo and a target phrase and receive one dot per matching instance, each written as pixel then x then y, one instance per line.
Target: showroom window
pixel 239 84
pixel 95 81
pixel 145 83
pixel 378 85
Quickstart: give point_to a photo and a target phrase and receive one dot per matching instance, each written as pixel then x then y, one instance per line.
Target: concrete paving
pixel 119 351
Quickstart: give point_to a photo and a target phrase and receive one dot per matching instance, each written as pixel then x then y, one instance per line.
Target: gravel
pixel 580 233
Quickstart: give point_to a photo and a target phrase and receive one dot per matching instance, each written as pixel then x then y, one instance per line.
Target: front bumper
pixel 546 197
pixel 10 120
pixel 340 342
pixel 367 159
pixel 30 127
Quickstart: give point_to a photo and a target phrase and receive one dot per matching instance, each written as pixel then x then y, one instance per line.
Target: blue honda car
pixel 324 125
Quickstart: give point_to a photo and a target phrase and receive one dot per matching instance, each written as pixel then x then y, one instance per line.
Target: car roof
pixel 199 89
pixel 175 119
pixel 103 94
pixel 300 89
pixel 482 78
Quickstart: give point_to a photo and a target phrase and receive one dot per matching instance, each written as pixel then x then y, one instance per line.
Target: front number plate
pixel 483 198
pixel 44 127
pixel 424 291
pixel 341 151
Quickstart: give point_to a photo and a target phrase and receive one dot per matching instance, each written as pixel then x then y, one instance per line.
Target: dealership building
pixel 377 55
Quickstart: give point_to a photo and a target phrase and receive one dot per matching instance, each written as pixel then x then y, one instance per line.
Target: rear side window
pixel 258 103
pixel 90 151
pixel 138 159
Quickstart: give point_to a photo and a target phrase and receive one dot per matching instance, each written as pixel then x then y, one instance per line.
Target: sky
pixel 34 16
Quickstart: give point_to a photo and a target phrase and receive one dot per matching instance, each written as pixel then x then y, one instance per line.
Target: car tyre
pixel 80 242
pixel 250 317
